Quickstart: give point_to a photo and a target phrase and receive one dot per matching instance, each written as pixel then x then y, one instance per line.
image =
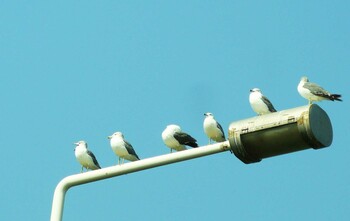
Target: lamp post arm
pixel 113 171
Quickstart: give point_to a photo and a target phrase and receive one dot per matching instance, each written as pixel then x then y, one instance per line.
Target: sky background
pixel 81 70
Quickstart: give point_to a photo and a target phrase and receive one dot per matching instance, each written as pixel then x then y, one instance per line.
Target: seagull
pixel 175 139
pixel 122 148
pixel 260 104
pixel 213 129
pixel 85 157
pixel 314 92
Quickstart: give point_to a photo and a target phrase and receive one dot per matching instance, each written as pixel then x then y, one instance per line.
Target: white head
pixel 208 115
pixel 304 79
pixel 173 128
pixel 116 134
pixel 257 90
pixel 81 143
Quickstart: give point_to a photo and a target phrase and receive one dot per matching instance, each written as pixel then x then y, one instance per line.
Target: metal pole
pixel 113 171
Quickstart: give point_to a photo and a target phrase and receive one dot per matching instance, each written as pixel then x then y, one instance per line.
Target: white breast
pixel 257 104
pixel 117 145
pixel 171 142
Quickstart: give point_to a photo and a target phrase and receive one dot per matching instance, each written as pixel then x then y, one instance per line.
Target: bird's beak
pixel 76 143
pixel 251 90
pixel 109 137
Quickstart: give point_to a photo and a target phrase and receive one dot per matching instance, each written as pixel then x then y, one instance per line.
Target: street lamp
pixel 251 140
pixel 282 132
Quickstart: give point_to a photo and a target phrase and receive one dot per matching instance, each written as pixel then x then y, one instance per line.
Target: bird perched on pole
pixel 122 148
pixel 213 129
pixel 259 103
pixel 314 92
pixel 175 139
pixel 85 157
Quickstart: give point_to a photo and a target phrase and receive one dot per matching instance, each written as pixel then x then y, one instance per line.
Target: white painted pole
pixel 108 172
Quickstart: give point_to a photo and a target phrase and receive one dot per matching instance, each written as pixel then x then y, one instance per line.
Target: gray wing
pixel 93 158
pixel 185 139
pixel 130 149
pixel 268 103
pixel 316 89
pixel 220 128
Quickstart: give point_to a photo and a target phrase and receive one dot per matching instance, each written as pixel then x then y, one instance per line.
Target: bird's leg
pixel 118 160
pixel 171 150
pixel 209 141
pixel 81 169
pixel 122 160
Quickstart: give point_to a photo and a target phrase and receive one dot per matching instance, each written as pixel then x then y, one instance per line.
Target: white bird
pixel 85 157
pixel 213 129
pixel 175 139
pixel 259 103
pixel 314 92
pixel 122 148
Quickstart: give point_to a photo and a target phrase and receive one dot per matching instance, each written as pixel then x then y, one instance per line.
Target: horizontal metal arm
pixel 113 171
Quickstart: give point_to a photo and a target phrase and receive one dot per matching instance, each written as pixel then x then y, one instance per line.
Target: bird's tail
pixel 192 144
pixel 336 97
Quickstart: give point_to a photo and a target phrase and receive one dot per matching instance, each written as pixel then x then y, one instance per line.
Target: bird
pixel 175 139
pixel 213 129
pixel 259 103
pixel 122 148
pixel 85 157
pixel 314 92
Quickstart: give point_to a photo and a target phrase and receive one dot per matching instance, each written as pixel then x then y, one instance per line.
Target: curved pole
pixel 113 171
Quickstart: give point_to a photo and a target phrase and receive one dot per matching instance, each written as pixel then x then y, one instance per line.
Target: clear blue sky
pixel 73 70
